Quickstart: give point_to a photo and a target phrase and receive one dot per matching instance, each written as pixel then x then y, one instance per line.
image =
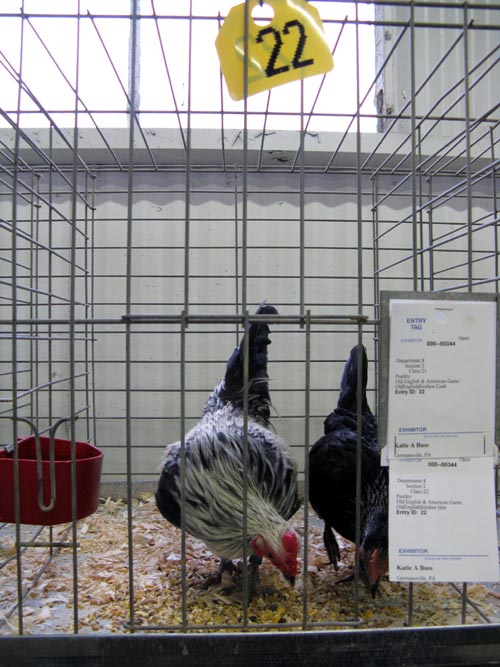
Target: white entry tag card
pixel 442 520
pixel 440 445
pixel 442 378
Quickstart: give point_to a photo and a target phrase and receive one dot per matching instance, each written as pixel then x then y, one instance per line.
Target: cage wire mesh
pixel 143 217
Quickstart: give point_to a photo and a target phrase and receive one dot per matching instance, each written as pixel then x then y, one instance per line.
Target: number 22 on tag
pixel 292 46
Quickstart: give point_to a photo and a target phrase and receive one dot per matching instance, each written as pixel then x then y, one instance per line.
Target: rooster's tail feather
pixel 231 388
pixel 348 398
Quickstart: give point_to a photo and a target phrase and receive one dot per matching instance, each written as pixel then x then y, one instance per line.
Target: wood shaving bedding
pixel 103 585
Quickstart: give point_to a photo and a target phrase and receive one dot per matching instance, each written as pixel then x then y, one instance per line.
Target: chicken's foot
pixel 225 565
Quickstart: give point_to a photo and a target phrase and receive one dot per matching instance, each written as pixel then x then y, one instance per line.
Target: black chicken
pixel 214 471
pixel 332 481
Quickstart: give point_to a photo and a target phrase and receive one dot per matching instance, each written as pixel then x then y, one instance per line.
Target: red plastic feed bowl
pixel 88 477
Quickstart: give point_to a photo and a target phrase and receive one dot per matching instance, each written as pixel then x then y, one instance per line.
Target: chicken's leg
pixel 331 546
pixel 254 578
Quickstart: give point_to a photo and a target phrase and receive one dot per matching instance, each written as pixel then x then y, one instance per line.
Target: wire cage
pixel 144 215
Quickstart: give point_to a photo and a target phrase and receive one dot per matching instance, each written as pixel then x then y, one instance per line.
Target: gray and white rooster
pixel 214 471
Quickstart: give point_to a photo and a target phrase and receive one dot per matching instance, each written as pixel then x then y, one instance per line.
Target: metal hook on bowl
pixel 39 467
pixel 52 463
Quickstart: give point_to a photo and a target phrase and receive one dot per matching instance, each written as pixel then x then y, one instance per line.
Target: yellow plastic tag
pixel 292 46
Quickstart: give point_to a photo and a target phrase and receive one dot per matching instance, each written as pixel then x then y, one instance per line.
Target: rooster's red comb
pixel 290 542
